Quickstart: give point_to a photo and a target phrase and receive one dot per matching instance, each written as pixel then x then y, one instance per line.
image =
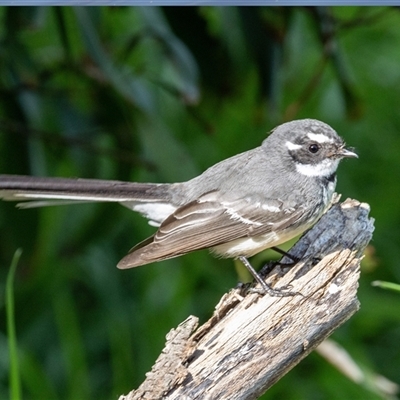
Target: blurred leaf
pixel 62 28
pixel 20 18
pixel 132 87
pixel 265 51
pixel 35 378
pixel 71 340
pixel 180 57
pixel 192 29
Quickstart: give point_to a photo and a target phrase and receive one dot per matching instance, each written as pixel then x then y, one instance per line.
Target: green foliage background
pixel 160 94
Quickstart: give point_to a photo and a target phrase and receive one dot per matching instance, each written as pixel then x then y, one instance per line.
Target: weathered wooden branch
pixel 252 340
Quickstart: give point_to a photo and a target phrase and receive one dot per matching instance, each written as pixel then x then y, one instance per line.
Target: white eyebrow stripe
pixel 319 137
pixel 292 146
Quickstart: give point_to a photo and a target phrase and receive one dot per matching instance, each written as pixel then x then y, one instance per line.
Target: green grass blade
pixel 387 285
pixel 15 379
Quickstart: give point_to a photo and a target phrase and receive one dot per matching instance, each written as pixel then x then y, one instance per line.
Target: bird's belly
pixel 250 246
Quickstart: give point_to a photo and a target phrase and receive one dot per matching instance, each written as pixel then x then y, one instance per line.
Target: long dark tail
pixel 37 192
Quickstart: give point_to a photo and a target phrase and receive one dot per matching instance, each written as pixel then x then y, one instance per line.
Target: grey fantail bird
pixel 238 207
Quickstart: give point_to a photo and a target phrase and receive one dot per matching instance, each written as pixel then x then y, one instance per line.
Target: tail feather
pixel 49 191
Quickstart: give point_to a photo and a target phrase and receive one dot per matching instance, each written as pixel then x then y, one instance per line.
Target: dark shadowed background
pixel 159 95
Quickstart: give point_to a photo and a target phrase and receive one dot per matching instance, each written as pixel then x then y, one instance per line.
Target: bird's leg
pixel 271 265
pixel 283 253
pixel 264 287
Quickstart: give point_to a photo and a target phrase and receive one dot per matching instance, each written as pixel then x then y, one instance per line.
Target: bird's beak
pixel 347 153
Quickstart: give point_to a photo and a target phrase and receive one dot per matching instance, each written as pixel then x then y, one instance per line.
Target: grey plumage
pixel 238 207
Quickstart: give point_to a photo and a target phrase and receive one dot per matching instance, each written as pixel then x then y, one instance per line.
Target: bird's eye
pixel 313 148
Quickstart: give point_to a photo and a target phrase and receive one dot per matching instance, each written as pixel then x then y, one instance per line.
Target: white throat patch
pixel 324 168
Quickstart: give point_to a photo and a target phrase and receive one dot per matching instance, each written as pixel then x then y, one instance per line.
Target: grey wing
pixel 207 223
